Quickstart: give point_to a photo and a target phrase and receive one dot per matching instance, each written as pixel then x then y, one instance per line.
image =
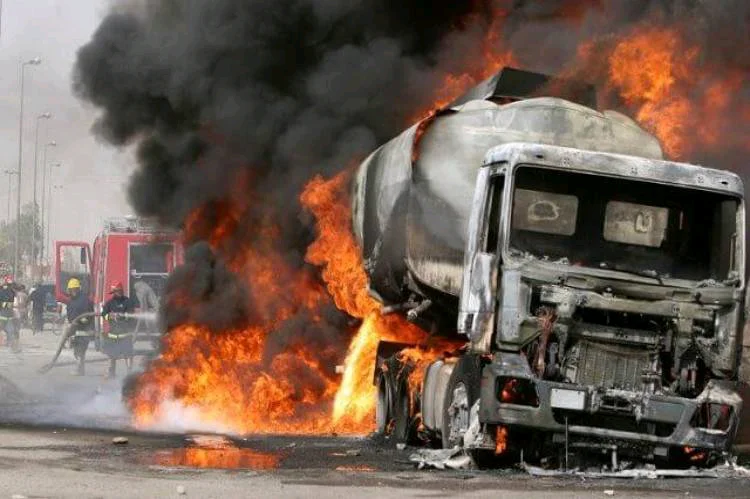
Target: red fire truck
pixel 128 250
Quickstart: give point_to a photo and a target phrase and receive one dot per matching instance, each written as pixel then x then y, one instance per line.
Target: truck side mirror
pixel 83 256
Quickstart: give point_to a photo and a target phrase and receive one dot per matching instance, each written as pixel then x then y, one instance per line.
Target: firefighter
pixel 82 328
pixel 118 343
pixel 7 298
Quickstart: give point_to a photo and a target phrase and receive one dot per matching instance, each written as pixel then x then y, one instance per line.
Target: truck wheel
pixel 404 429
pixel 461 393
pixel 384 407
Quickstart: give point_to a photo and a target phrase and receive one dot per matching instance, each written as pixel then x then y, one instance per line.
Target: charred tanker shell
pixel 418 187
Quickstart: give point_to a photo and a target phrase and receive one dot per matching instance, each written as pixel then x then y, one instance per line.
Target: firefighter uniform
pixel 118 342
pixel 9 323
pixel 82 328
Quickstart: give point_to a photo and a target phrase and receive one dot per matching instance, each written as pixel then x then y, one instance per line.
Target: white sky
pixel 93 175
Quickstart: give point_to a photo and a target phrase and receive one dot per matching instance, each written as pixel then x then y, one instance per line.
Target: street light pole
pixel 49 144
pixel 31 62
pixel 9 173
pixel 43 116
pixel 49 211
pixel 45 187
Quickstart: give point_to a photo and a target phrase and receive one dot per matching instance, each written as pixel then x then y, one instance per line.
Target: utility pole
pixel 31 62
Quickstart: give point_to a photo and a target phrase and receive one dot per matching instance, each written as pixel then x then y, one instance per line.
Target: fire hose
pixel 71 329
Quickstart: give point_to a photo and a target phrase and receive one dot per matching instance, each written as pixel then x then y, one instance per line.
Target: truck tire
pixel 384 407
pixel 405 427
pixel 461 393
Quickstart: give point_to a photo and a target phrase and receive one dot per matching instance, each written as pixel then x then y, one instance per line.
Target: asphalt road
pixel 57 431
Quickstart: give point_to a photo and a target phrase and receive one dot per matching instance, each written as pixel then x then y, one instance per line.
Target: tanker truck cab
pixel 602 298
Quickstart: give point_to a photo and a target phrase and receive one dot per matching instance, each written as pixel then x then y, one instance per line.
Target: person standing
pixel 21 306
pixel 118 342
pixel 82 332
pixel 148 303
pixel 7 298
pixel 38 299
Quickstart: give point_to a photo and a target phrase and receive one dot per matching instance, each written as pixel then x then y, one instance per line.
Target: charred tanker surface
pixel 599 288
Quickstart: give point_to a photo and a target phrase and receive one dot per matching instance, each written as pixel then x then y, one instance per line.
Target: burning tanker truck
pixel 598 289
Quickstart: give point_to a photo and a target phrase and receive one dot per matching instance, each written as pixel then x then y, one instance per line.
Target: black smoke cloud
pixel 275 91
pixel 266 92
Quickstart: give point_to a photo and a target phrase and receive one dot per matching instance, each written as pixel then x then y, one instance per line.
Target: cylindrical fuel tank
pixel 412 196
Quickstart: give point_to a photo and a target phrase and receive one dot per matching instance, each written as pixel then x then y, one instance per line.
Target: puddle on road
pixel 214 453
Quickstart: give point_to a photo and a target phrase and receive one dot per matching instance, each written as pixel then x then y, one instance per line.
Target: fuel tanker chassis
pixel 598 290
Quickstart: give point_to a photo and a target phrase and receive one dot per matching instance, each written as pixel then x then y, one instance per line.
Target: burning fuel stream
pixel 254 336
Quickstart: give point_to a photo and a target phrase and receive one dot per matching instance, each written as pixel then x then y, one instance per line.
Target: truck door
pixel 72 260
pixel 478 298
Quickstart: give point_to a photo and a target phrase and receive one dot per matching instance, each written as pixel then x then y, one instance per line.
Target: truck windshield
pixel 632 226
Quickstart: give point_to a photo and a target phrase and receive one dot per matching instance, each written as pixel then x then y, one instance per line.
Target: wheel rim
pixel 458 415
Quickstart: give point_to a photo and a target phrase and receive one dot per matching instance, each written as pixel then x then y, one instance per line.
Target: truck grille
pixel 611 366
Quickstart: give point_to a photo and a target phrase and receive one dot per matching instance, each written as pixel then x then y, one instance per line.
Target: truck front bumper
pixel 586 413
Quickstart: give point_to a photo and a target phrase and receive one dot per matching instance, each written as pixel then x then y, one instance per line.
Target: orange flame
pixel 646 69
pixel 224 458
pixel 501 439
pixel 218 380
pixel 688 104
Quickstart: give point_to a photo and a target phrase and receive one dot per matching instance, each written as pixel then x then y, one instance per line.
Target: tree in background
pixel 26 239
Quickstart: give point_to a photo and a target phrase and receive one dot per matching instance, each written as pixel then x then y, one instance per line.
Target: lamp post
pixel 43 116
pixel 31 62
pixel 9 173
pixel 53 188
pixel 45 195
pixel 49 144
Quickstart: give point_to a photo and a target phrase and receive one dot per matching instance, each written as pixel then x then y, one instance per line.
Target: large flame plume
pixel 206 380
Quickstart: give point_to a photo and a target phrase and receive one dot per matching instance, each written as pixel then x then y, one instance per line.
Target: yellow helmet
pixel 74 284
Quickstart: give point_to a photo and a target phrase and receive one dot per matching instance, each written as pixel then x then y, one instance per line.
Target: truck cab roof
pixel 649 169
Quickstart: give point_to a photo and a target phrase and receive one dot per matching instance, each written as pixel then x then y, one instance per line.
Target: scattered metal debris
pixel 726 470
pixel 454 459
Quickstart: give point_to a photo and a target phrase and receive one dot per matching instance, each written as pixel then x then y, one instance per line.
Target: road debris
pixel 360 467
pixel 181 490
pixel 609 492
pixel 120 440
pixel 347 453
pixel 454 459
pixel 401 446
pixel 727 470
